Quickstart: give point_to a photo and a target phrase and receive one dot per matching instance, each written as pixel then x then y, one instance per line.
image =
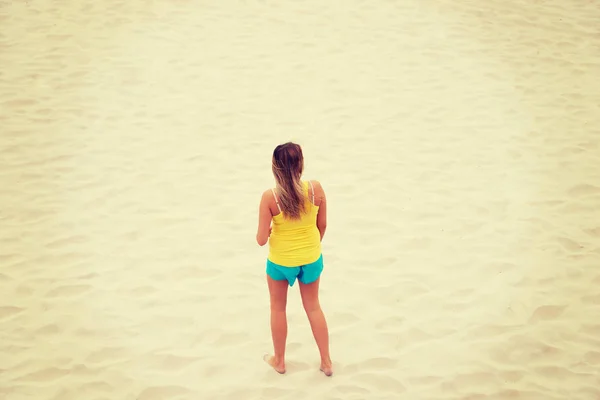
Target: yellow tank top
pixel 295 242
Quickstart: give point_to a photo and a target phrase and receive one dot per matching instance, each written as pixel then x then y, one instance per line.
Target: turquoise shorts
pixel 305 273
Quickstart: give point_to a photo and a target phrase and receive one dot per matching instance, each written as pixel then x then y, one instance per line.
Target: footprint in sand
pixel 9 311
pixel 96 387
pixel 380 363
pixel 68 290
pixel 584 190
pixel 4 278
pixel 570 245
pixel 592 300
pixel 143 290
pixel 382 383
pixel 511 376
pixel 591 329
pixel 50 329
pixel 547 312
pixel 107 354
pixel 594 232
pixel 274 393
pixel 424 380
pixel 168 362
pixel 77 239
pixel 162 392
pixel 474 379
pixel 5 259
pixel 349 390
pixel 390 323
pixel 552 371
pixel 45 375
pixel 230 339
pixel 415 335
pixel 592 357
pixel 343 319
pixel 506 395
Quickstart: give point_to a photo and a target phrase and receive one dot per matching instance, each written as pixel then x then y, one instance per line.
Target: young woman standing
pixel 292 219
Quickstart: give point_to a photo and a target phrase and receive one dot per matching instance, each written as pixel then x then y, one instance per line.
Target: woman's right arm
pixel 322 214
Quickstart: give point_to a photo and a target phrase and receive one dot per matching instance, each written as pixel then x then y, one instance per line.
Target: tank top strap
pixel 312 190
pixel 276 201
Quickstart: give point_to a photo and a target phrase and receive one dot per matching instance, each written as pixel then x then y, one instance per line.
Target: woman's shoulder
pixel 316 183
pixel 318 188
pixel 267 194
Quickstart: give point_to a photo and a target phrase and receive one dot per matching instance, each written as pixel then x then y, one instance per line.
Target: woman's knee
pixel 310 296
pixel 278 307
pixel 278 303
pixel 311 305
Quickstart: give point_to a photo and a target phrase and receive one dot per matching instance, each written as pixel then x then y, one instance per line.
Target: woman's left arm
pixel 264 220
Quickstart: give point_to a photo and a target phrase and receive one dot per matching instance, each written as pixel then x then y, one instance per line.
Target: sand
pixel 458 142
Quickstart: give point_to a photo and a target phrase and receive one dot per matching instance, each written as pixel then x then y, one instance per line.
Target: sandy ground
pixel 458 142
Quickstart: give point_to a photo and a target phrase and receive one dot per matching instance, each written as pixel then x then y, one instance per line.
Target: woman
pixel 292 218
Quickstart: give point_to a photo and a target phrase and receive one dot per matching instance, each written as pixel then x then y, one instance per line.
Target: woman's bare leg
pixel 278 293
pixel 318 324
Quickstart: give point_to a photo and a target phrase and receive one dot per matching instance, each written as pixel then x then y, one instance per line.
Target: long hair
pixel 288 164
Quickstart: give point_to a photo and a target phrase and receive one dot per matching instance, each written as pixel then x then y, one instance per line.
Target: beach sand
pixel 458 143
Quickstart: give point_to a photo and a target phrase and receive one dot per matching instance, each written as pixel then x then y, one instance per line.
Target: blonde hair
pixel 287 165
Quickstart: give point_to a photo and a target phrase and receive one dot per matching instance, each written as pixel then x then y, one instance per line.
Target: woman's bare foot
pixel 326 368
pixel 277 366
